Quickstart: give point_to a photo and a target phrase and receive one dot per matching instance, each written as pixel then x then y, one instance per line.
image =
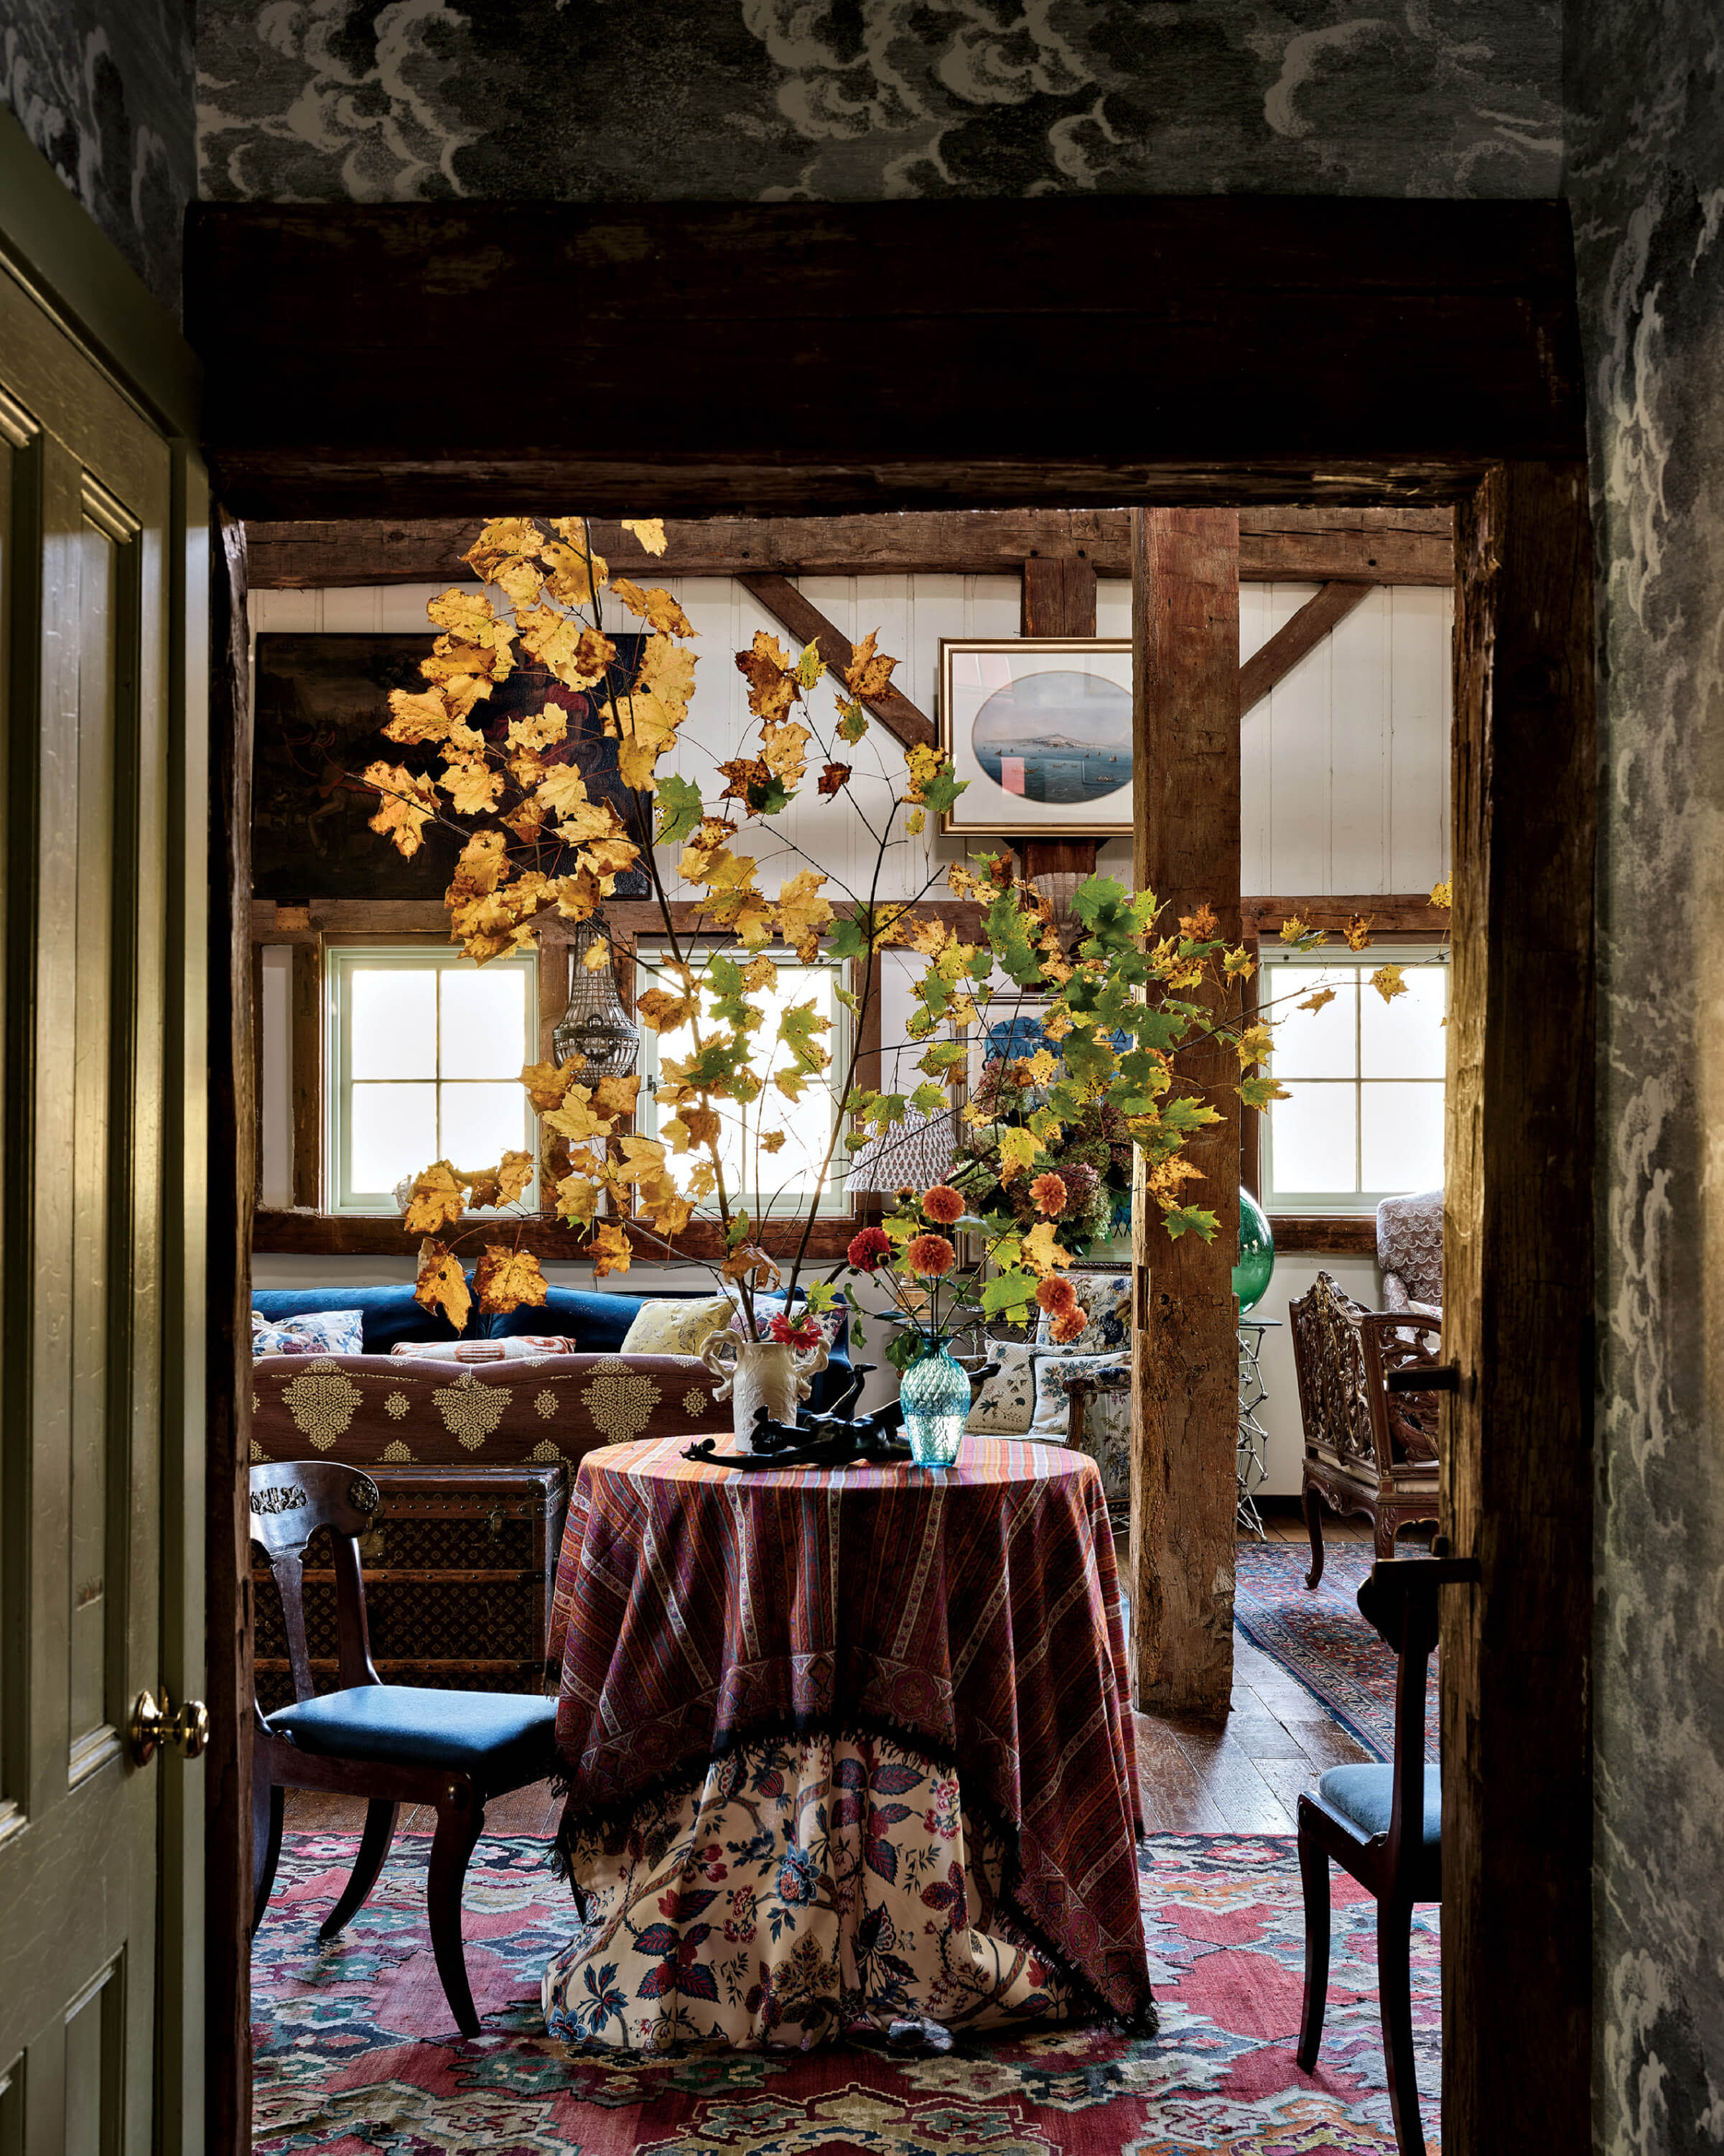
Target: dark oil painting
pixel 321 703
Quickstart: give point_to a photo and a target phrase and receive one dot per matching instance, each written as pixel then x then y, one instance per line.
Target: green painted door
pixel 100 1550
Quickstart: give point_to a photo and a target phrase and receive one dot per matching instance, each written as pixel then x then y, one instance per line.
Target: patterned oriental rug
pixel 355 2053
pixel 1322 1638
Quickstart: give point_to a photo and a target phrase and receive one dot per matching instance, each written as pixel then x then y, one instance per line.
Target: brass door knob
pixel 155 1724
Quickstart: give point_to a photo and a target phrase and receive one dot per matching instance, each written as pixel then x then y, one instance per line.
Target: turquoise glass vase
pixel 1257 1254
pixel 935 1395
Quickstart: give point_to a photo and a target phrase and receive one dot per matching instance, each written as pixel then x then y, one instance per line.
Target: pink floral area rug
pixel 1319 1636
pixel 356 2052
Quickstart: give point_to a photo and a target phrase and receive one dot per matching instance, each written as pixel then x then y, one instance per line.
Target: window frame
pixel 341 959
pixel 648 952
pixel 1403 951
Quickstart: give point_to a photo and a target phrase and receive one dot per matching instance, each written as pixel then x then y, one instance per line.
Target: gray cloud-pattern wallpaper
pixel 855 99
pixel 105 93
pixel 1646 179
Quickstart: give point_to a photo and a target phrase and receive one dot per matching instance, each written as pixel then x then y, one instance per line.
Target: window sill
pixel 277 1231
pixel 1335 1235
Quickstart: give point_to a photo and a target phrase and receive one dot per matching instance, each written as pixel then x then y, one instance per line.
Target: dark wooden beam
pixel 1273 661
pixel 1059 595
pixel 331 920
pixel 1518 1322
pixel 1331 1234
pixel 1185 1349
pixel 736 352
pixel 305 1037
pixel 1279 544
pixel 1390 913
pixel 277 1232
pixel 808 625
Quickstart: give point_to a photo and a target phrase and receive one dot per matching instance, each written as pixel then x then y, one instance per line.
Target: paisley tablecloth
pixel 843 1747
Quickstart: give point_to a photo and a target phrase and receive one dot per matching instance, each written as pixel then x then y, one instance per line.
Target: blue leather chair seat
pixel 1362 1795
pixel 501 1738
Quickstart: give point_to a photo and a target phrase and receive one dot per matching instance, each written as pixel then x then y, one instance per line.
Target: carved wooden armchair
pixel 1366 1449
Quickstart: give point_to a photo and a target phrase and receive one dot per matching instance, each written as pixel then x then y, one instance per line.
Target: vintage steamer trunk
pixel 459 1568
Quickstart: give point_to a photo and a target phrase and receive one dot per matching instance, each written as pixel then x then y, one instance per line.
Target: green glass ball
pixel 1257 1254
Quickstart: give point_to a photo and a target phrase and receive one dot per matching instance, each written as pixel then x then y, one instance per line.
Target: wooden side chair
pixel 393 1744
pixel 1382 1825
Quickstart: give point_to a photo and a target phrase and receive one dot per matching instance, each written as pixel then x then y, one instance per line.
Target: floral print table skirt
pixel 808 1888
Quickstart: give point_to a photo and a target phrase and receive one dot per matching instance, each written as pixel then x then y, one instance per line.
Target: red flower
pixel 870 1248
pixel 1067 1325
pixel 1048 1194
pixel 805 1332
pixel 1056 1294
pixel 930 1256
pixel 942 1204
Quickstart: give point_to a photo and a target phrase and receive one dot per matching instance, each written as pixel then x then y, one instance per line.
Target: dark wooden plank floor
pixel 1244 1777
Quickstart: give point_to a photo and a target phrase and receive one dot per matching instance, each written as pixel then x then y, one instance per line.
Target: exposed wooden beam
pixel 1390 913
pixel 1275 660
pixel 808 625
pixel 1414 341
pixel 1277 544
pixel 279 1232
pixel 1185 1350
pixel 1325 1235
pixel 305 1031
pixel 1059 600
pixel 322 920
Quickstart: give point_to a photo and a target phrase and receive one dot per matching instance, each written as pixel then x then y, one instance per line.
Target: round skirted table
pixel 844 1749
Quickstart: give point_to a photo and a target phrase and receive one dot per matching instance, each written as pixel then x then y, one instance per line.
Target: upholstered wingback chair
pixel 1409 1252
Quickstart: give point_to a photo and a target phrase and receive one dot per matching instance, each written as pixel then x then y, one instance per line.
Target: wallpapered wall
pixel 103 91
pixel 1646 178
pixel 325 98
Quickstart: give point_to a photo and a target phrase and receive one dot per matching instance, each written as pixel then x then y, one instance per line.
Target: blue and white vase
pixel 935 1394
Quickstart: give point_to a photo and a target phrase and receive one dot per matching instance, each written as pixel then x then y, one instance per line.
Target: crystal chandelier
pixel 595 1025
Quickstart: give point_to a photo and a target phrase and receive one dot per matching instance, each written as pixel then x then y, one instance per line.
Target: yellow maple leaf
pixel 1018 1151
pixel 608 857
pixel 804 914
pixel 468 615
pixel 616 1096
pixel 1042 1254
pixel 925 765
pixel 424 717
pixel 441 1282
pixel 577 896
pixel 520 583
pixel 1253 1046
pixel 748 913
pixel 577 1198
pixel 504 1183
pixel 574 576
pixel 655 606
pixel 916 822
pixel 597 954
pixel 609 1249
pixel 1295 929
pixel 663 1013
pixel 771 1140
pixel 503 539
pixel 1041 1066
pixel 784 747
pixel 562 793
pixel 505 1278
pixel 471 785
pixel 575 1118
pixel 1239 964
pixel 667 672
pixel 648 529
pixel 1316 1001
pixel 438 1200
pixel 869 673
pixel 761 972
pixel 1387 982
pixel 483 864
pixel 1443 893
pixel 407 806
pixel 1358 932
pixel 772 681
pixel 539 729
pixel 547 1083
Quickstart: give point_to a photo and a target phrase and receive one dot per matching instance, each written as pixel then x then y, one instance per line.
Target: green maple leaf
pixel 679 808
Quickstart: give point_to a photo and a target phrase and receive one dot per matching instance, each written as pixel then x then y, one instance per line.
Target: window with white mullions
pixel 1364 1118
pixel 781 1181
pixel 425 1055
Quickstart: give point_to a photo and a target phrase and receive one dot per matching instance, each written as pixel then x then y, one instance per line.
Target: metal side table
pixel 1253 1455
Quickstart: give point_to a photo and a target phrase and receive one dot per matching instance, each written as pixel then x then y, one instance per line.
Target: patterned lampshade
pixel 921 1150
pixel 595 1024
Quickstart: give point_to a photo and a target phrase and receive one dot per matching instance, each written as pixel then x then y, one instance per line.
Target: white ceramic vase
pixel 760 1373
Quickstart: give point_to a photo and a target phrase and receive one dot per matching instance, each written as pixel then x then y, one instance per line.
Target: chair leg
pixel 268 1803
pixel 1314 1528
pixel 1385 1526
pixel 1314 1876
pixel 380 1815
pixel 1394 1991
pixel 461 1819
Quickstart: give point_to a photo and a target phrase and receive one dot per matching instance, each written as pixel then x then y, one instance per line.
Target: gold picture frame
pixel 1045 747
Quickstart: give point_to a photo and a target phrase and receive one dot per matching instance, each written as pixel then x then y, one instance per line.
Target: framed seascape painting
pixel 1041 727
pixel 322 702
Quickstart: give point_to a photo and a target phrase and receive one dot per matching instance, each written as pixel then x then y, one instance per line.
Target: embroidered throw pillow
pixel 676 1328
pixel 519 1347
pixel 1105 1300
pixel 1005 1403
pixel 314 1332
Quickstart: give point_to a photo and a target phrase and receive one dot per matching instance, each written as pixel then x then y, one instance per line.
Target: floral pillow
pixel 1105 1300
pixel 678 1328
pixel 315 1332
pixel 1107 1414
pixel 1006 1403
pixel 517 1346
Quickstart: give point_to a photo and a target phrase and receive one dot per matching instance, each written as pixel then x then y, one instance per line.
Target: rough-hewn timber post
pixel 1185 611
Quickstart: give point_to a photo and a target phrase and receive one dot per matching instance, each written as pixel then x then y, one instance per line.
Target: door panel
pixel 86 516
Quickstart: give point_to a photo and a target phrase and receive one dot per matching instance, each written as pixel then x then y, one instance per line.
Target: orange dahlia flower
pixel 870 1247
pixel 1066 1327
pixel 942 1204
pixel 1056 1294
pixel 1048 1194
pixel 930 1256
